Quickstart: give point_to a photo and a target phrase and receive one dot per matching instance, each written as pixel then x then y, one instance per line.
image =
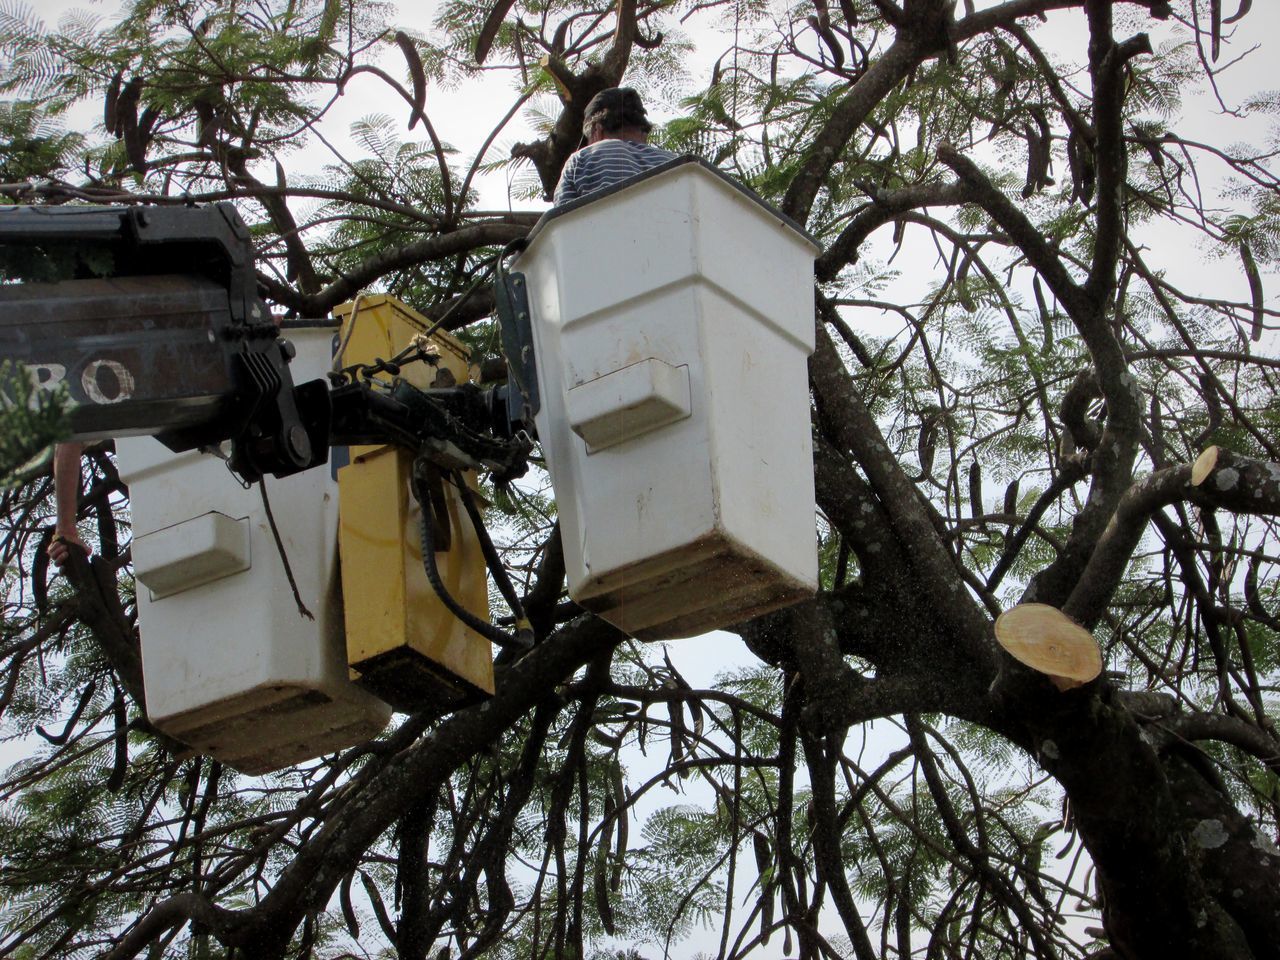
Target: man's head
pixel 616 114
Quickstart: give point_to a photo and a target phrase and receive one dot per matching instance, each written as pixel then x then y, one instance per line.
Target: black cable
pixel 482 627
pixel 524 630
pixel 284 557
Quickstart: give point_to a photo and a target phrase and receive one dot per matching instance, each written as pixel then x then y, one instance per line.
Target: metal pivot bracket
pixel 511 296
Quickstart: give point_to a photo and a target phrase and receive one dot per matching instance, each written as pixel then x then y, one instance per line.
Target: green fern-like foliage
pixel 33 143
pixel 31 420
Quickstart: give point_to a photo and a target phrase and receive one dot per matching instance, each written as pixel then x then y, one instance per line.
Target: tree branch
pixel 1236 483
pixel 897 62
pixel 827 854
pixel 298 257
pixel 436 247
pixel 935 574
pixel 1260 744
pixel 167 915
pixel 100 610
pixel 1112 460
pixel 1024 234
pixel 885 206
pixel 309 880
pixel 1107 61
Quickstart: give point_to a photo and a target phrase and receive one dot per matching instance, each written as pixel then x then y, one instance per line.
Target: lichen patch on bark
pixel 1209 834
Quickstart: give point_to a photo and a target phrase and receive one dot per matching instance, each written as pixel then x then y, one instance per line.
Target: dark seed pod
pixel 109 113
pixel 1011 498
pixel 417 74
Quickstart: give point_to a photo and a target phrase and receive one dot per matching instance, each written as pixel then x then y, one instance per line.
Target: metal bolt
pixel 299 443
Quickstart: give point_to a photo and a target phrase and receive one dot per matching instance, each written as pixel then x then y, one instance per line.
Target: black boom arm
pixel 151 318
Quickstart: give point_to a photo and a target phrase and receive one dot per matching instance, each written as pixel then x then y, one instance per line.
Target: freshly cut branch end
pixel 1204 465
pixel 1047 640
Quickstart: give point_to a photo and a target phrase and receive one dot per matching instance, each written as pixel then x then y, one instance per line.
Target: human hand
pixel 63 543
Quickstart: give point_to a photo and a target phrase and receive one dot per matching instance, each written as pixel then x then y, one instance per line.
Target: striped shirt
pixel 603 164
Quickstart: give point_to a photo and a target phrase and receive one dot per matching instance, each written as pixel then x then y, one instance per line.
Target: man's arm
pixel 66 496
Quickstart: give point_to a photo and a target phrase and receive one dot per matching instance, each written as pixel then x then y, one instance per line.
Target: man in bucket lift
pixel 617 134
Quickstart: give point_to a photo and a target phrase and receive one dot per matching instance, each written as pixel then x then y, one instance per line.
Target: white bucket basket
pixel 672 319
pixel 230 666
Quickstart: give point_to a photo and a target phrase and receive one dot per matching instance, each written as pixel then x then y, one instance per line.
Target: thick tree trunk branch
pixel 838 697
pixel 1083 431
pixel 1107 563
pixel 1239 862
pixel 313 875
pixel 1262 745
pixel 167 915
pixel 298 257
pixel 1156 901
pixel 549 154
pixel 541 601
pixel 853 509
pixel 1004 14
pixel 934 567
pixel 614 63
pixel 984 21
pixel 1024 234
pixel 435 247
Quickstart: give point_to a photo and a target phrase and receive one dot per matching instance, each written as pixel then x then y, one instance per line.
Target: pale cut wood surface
pixel 1045 639
pixel 1203 466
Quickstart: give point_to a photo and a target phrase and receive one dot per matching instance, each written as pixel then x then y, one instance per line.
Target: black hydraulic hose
pixel 499 263
pixel 482 627
pixel 523 628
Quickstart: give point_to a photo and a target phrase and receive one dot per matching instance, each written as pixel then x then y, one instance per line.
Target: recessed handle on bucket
pixel 191 553
pixel 628 403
